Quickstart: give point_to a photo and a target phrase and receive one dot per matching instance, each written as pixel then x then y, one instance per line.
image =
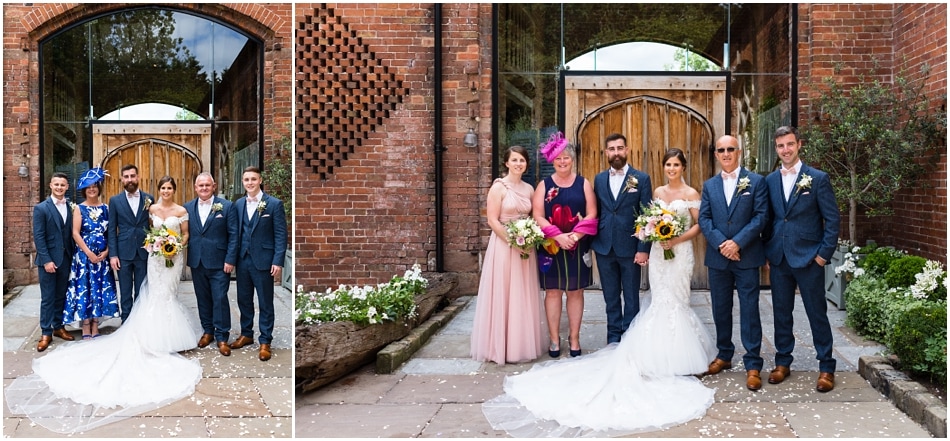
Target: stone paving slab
pixel 364 421
pixel 831 419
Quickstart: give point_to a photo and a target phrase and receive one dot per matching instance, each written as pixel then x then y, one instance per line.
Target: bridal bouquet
pixel 656 224
pixel 524 234
pixel 161 241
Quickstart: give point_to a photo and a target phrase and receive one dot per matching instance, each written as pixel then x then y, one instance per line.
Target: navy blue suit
pixel 616 247
pixel 742 221
pixel 126 237
pixel 53 240
pixel 804 227
pixel 262 242
pixel 210 245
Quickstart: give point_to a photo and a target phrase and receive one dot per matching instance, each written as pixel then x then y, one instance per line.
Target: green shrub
pixel 918 335
pixel 868 302
pixel 878 261
pixel 901 272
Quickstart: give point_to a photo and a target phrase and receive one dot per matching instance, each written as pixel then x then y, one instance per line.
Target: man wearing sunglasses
pixel 733 213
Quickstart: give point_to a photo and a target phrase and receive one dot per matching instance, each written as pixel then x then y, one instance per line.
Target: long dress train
pixel 136 369
pixel 641 384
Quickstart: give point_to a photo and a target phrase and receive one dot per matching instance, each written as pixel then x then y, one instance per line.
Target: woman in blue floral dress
pixel 91 293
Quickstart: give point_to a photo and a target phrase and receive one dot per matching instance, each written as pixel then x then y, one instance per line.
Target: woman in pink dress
pixel 507 325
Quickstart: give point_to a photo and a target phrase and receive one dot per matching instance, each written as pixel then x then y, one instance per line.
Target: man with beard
pixel 620 190
pixel 126 235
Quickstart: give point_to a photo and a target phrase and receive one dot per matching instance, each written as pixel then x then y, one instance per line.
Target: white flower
pixel 927 280
pixel 804 183
pixel 743 183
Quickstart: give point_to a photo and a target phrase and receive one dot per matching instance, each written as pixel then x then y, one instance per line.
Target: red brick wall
pixel 893 34
pixel 24 25
pixel 366 200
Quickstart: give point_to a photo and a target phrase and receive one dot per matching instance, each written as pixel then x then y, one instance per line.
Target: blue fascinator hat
pixel 90 177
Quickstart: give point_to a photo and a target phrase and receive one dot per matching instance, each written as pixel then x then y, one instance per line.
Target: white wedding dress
pixel 85 384
pixel 644 383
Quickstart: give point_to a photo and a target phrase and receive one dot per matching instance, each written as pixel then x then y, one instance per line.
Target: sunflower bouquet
pixel 524 234
pixel 656 224
pixel 161 241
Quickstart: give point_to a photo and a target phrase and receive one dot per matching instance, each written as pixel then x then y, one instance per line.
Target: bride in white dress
pixel 644 383
pixel 86 384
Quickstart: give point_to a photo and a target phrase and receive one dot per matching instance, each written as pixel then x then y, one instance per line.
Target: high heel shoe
pixel 554 350
pixel 576 353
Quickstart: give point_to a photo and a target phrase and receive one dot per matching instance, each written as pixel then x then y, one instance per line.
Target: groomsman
pixel 126 235
pixel 732 215
pixel 53 239
pixel 803 236
pixel 212 255
pixel 620 191
pixel 261 246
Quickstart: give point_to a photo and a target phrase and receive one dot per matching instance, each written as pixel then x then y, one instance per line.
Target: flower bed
pixel 901 301
pixel 341 330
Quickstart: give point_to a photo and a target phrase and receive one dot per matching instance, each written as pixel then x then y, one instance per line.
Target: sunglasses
pixel 726 149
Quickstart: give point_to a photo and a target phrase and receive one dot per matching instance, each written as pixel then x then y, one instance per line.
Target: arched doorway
pixel 151 55
pixel 654 113
pixel 154 158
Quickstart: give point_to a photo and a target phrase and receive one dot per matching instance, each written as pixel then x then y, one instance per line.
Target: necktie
pixel 729 175
pixel 615 172
pixel 788 171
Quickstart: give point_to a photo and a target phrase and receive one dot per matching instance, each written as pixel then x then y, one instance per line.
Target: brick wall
pixel 24 25
pixel 365 167
pixel 893 34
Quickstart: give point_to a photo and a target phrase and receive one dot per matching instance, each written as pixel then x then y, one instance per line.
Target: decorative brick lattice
pixel 344 92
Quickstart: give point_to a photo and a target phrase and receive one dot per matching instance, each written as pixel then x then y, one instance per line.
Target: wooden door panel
pixel 654 114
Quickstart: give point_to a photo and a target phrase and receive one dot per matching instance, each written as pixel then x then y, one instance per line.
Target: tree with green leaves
pixel 690 61
pixel 870 137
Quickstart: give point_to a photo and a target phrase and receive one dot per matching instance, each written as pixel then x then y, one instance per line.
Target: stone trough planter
pixel 326 352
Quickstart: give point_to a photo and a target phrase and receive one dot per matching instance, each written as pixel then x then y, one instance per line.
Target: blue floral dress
pixel 91 292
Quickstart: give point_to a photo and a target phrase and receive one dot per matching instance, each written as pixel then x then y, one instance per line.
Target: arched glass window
pixel 149 65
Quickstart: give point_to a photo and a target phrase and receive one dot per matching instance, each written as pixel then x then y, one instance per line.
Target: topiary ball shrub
pixel 918 335
pixel 878 261
pixel 901 272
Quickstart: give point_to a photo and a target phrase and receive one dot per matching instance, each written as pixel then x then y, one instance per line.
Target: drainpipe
pixel 437 85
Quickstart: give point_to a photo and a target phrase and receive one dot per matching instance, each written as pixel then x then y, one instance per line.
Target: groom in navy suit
pixel 802 238
pixel 212 255
pixel 53 239
pixel 732 215
pixel 126 236
pixel 621 190
pixel 262 241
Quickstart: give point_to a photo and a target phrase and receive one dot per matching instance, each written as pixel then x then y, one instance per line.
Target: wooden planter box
pixel 326 352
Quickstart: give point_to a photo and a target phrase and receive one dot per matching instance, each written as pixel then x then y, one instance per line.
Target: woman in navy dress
pixel 565 208
pixel 91 293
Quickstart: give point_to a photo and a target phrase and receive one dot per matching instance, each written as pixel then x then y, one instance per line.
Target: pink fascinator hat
pixel 555 145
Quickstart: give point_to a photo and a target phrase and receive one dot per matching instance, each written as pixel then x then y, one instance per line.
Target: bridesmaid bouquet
pixel 524 234
pixel 656 224
pixel 163 242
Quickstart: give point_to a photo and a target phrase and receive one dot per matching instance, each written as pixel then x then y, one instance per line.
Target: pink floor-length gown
pixel 507 327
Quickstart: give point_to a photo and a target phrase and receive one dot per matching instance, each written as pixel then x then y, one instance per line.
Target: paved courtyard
pixel 238 396
pixel 439 392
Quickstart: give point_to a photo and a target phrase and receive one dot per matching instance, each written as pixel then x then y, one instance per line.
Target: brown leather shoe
pixel 44 343
pixel 753 381
pixel 241 342
pixel 224 349
pixel 205 340
pixel 779 374
pixel 61 333
pixel 717 366
pixel 826 382
pixel 265 352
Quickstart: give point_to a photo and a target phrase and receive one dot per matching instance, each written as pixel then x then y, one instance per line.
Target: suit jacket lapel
pixel 211 214
pixel 793 197
pixel 731 207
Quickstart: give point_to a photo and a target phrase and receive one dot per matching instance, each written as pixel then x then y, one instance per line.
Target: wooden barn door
pixel 655 113
pixel 179 151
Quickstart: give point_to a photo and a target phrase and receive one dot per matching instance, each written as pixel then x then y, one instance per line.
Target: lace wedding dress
pixel 642 384
pixel 86 384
